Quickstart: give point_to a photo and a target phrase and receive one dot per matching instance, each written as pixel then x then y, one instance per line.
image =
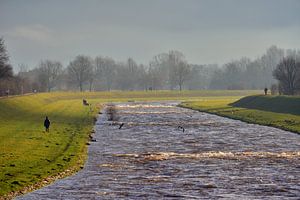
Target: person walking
pixel 266 91
pixel 47 124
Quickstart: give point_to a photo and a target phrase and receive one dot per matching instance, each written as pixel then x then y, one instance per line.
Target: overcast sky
pixel 206 31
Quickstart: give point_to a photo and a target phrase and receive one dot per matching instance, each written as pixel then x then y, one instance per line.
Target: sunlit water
pixel 151 158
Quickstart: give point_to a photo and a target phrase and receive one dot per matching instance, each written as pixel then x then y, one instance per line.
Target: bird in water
pixel 121 125
pixel 180 127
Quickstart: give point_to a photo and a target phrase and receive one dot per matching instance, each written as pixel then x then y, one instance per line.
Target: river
pixel 166 152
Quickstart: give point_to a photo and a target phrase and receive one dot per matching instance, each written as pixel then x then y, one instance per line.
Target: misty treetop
pixel 81 71
pixel 48 74
pixel 165 71
pixel 287 73
pixel 5 67
pixel 169 70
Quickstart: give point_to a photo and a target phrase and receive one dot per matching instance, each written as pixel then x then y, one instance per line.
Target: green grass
pixel 278 104
pixel 27 153
pixel 29 157
pixel 277 111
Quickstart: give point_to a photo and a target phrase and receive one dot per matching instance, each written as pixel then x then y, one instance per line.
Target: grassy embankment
pixel 31 158
pixel 277 111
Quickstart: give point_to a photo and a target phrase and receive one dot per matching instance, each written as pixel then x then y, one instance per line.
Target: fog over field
pixel 233 44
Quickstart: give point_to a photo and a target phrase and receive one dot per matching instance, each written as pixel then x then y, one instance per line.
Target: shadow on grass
pixel 277 104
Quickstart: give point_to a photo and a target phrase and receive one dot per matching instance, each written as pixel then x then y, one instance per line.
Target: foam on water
pixel 158 156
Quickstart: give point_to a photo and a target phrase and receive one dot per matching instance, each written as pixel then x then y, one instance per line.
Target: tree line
pixel 251 74
pixel 166 71
pixel 277 69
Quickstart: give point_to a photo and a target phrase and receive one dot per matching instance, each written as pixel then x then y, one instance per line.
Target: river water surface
pixel 151 157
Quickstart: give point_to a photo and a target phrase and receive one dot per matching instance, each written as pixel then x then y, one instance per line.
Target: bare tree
pixel 92 75
pixel 79 70
pixel 288 75
pixel 269 62
pixel 128 75
pixel 132 70
pixel 168 70
pixel 143 81
pixel 49 72
pixel 182 72
pixel 178 69
pixel 159 71
pixel 233 74
pixel 105 70
pixel 5 67
pixel 23 69
pixel 155 77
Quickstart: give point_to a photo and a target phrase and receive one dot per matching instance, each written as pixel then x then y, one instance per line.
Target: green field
pixel 278 111
pixel 31 158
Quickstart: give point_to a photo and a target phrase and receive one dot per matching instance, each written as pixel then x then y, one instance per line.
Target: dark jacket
pixel 47 123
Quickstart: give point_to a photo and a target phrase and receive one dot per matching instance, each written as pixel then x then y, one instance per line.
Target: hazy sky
pixel 206 31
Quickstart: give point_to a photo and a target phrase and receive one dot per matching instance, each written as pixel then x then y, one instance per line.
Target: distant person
pixel 266 91
pixel 47 124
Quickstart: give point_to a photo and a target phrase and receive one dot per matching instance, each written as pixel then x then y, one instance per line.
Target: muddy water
pixel 151 158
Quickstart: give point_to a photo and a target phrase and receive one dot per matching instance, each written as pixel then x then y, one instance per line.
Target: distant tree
pixel 175 65
pixel 5 67
pixel 287 73
pixel 127 74
pixel 159 71
pixel 218 80
pixel 23 69
pixel 181 73
pixel 49 72
pixel 155 77
pixel 178 69
pixel 197 78
pixel 92 75
pixel 230 76
pixel 233 75
pixel 269 62
pixel 144 79
pixel 200 76
pixel 105 71
pixel 254 75
pixel 132 76
pixel 79 70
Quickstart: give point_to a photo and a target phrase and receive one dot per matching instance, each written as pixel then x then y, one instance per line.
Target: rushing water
pixel 151 157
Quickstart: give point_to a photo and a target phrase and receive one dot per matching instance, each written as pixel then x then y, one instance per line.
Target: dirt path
pixel 151 158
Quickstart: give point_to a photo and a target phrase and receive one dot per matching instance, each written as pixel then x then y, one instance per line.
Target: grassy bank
pixel 27 153
pixel 277 111
pixel 31 158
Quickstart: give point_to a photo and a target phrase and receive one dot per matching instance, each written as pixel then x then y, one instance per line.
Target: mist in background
pixel 148 45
